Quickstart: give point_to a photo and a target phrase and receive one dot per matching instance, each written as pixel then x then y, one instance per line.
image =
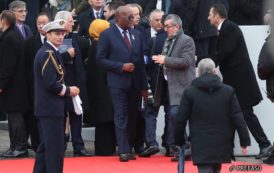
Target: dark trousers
pixel 209 168
pixel 76 131
pixel 50 153
pixel 125 124
pixel 32 129
pixel 151 114
pixel 17 131
pixel 169 137
pixel 255 128
pixel 105 142
pixel 140 132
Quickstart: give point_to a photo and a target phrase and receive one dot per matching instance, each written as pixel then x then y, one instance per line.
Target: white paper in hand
pixel 77 104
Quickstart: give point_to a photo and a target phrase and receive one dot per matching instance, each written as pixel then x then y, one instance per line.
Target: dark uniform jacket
pixel 12 73
pixel 49 81
pixel 214 114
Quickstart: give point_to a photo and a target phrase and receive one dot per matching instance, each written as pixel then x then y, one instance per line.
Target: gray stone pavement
pixel 4 145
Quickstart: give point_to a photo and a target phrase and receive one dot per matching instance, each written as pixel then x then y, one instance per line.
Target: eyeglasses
pixel 166 26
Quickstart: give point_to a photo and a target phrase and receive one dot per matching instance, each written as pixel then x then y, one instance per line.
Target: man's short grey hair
pixel 62 15
pixel 175 19
pixel 154 12
pixel 17 4
pixel 206 65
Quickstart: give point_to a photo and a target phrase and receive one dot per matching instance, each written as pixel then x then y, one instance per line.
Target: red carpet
pixel 156 164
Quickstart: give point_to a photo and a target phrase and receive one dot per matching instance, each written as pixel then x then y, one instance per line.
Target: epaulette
pixel 57 66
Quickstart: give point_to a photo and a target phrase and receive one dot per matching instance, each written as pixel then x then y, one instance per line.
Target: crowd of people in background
pixel 123 59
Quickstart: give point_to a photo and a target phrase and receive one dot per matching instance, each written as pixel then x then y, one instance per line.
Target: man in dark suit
pixel 13 88
pixel 31 47
pixel 155 18
pixel 50 92
pixel 232 57
pixel 20 10
pixel 95 11
pixel 120 52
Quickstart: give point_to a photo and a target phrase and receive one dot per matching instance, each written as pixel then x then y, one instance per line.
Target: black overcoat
pixel 232 57
pixel 214 114
pixel 12 73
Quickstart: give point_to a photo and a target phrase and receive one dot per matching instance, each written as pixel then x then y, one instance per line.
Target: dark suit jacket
pixel 48 84
pixel 27 29
pixel 85 20
pixel 232 57
pixel 12 73
pixel 112 53
pixel 31 47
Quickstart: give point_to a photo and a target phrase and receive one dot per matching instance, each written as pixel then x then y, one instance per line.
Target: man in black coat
pixel 232 57
pixel 214 114
pixel 31 47
pixel 13 88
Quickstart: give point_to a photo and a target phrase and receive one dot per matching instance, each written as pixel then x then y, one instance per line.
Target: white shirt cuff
pixel 62 93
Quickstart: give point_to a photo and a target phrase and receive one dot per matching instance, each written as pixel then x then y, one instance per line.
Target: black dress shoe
pixel 15 153
pixel 264 152
pixel 149 151
pixel 270 160
pixel 131 156
pixel 123 157
pixel 82 153
pixel 171 151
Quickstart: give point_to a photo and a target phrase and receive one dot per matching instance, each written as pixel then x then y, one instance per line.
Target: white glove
pixel 77 104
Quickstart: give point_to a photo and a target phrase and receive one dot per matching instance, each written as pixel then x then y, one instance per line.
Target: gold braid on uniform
pixel 57 67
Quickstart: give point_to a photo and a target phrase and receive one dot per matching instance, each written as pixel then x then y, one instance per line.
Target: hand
pixel 245 150
pixel 71 52
pixel 159 59
pixel 144 94
pixel 74 91
pixel 128 67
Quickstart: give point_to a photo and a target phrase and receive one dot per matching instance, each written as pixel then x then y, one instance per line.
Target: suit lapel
pixel 117 31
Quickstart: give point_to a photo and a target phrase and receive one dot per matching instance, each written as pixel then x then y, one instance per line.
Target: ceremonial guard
pixel 50 92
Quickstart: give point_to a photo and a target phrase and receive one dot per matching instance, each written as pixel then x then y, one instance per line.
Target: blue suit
pixel 49 108
pixel 125 87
